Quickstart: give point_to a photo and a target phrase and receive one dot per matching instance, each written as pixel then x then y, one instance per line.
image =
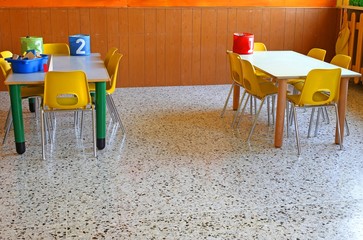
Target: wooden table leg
pixel 342 108
pixel 280 112
pixel 236 93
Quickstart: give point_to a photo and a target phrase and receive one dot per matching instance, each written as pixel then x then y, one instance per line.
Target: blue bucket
pixel 80 45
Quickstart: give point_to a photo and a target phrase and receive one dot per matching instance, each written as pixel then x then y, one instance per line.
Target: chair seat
pixel 267 88
pixel 261 74
pixel 318 97
pixel 295 81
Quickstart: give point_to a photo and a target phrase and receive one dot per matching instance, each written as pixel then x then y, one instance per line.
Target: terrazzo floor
pixel 181 172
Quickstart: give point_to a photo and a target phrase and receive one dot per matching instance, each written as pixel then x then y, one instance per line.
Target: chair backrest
pixel 5 67
pixel 6 54
pixel 321 87
pixel 110 52
pixel 112 69
pixel 66 90
pixel 317 53
pixel 250 79
pixel 259 46
pixel 341 60
pixel 56 48
pixel 235 67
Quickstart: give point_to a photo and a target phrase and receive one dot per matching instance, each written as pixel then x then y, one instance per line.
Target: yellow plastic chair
pixel 26 92
pixel 256 88
pixel 109 54
pixel 56 48
pixel 66 91
pixel 340 60
pixel 321 89
pixel 6 54
pixel 316 53
pixel 235 74
pixel 112 68
pixel 259 46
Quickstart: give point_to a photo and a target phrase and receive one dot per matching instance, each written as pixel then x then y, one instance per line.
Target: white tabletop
pixel 92 65
pixel 290 64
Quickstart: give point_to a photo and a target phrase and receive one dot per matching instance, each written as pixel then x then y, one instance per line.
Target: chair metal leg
pixel 43 132
pixel 239 108
pixel 226 102
pixel 318 121
pixel 8 124
pixel 114 109
pixel 273 109
pixel 338 126
pixel 296 131
pixel 111 111
pixel 346 126
pixel 94 132
pixel 311 120
pixel 326 115
pixel 9 115
pixel 287 119
pixel 81 126
pixel 240 111
pixel 255 120
pixel 268 111
pixel 49 118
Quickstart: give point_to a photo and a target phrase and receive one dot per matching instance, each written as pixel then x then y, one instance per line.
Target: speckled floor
pixel 183 173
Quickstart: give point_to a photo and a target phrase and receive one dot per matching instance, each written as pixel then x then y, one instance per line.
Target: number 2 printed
pixel 80 50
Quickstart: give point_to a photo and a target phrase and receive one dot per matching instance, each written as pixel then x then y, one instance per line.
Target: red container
pixel 243 43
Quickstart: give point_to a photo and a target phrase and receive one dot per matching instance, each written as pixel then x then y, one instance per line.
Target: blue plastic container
pixel 28 66
pixel 80 45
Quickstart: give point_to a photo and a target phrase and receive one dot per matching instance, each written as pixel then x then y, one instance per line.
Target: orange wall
pixel 169 46
pixel 155 3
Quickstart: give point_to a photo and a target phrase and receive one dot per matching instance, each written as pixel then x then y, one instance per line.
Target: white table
pixel 284 65
pixel 96 72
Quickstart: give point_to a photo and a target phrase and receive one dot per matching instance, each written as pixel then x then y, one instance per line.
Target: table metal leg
pixel 17 112
pixel 101 114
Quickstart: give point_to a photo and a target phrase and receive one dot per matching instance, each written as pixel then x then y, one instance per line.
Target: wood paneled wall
pixel 173 46
pixel 167 3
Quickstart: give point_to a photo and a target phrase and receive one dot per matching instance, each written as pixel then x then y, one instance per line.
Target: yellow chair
pixel 256 88
pixel 339 60
pixel 316 53
pixel 66 91
pixel 259 46
pixel 235 74
pixel 56 48
pixel 321 89
pixel 6 54
pixel 112 68
pixel 26 92
pixel 109 54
